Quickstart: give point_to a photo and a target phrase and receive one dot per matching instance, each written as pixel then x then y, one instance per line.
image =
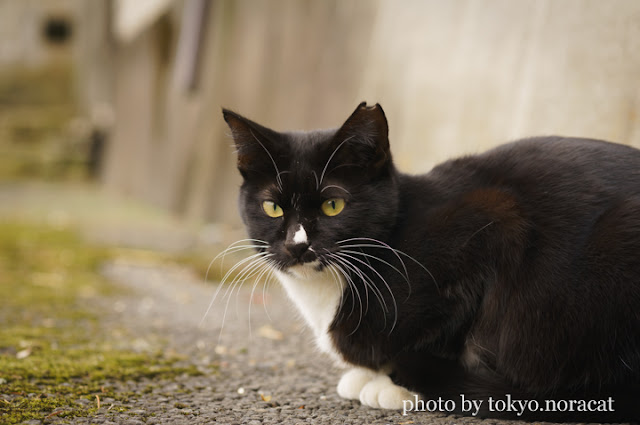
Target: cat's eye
pixel 333 206
pixel 272 209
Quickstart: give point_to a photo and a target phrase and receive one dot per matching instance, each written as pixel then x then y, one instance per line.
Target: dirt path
pixel 262 368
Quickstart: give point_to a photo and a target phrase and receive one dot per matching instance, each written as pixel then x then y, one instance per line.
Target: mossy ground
pixel 56 358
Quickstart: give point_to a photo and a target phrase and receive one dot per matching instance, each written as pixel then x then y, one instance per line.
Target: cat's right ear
pixel 364 139
pixel 253 142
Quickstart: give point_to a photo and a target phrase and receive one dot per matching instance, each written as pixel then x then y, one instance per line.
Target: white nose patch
pixel 300 236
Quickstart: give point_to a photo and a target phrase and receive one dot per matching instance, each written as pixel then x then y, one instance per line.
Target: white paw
pixel 381 392
pixel 353 381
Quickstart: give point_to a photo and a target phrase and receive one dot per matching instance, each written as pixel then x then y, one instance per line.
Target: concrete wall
pixel 453 76
pixel 460 76
pixel 22 40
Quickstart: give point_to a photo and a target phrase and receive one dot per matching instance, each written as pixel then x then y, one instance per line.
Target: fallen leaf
pixel 266 398
pixel 23 354
pixel 269 332
pixel 57 412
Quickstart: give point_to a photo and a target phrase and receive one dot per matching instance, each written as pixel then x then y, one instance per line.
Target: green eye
pixel 272 209
pixel 333 206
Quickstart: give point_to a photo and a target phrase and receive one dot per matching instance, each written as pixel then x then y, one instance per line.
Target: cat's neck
pixel 316 295
pixel 416 195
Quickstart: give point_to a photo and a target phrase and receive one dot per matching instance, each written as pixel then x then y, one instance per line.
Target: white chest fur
pixel 316 294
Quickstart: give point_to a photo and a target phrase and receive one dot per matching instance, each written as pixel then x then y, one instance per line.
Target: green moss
pixel 55 358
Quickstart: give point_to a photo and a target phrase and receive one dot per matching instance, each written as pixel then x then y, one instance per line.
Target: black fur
pixel 528 256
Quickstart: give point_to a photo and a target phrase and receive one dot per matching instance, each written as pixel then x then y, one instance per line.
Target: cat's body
pixel 512 272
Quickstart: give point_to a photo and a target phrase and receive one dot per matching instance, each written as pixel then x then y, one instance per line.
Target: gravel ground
pixel 258 362
pixel 261 367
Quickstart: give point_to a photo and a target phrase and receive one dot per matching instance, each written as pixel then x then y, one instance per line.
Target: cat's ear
pixel 255 144
pixel 364 138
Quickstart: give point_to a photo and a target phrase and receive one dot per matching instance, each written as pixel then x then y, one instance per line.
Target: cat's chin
pixel 305 270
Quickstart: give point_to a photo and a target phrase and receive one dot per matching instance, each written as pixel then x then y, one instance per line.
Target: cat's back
pixel 548 166
pixel 601 160
pixel 560 187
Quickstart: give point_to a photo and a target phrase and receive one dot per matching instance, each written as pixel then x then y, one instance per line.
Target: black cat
pixel 510 278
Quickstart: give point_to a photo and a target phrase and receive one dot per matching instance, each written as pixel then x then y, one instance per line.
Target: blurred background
pixel 127 93
pixel 118 183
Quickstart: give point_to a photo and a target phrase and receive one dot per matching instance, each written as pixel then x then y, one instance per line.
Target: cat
pixel 508 275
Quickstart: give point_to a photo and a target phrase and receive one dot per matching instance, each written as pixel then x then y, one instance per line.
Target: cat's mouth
pixel 311 261
pixel 304 265
pixel 304 270
pixel 305 257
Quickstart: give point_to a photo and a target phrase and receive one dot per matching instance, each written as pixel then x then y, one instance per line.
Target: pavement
pixel 259 364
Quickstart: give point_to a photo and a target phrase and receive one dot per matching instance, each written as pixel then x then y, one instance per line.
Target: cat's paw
pixel 381 392
pixel 353 381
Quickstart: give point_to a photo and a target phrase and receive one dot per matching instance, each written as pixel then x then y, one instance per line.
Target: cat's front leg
pixel 373 389
pixel 381 392
pixel 353 381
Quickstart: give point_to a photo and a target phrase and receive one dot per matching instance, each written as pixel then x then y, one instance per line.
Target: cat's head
pixel 307 193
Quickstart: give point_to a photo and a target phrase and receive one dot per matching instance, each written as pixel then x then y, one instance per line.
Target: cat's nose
pixel 297 249
pixel 297 242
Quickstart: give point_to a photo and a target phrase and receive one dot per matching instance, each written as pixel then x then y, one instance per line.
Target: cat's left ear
pixel 365 137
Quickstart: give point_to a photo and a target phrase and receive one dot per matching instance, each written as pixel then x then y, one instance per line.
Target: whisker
pixel 345 263
pixel 381 298
pixel 379 259
pixel 396 251
pixel 249 270
pixel 236 249
pixel 278 179
pixel 249 240
pixel 343 267
pixel 369 284
pixel 381 244
pixel 233 248
pixel 368 281
pixel 324 170
pixel 336 280
pixel 336 186
pixel 237 283
pixel 261 270
pixel 230 272
pixel 233 286
pixel 478 231
pixel 268 279
pixel 223 280
pixel 354 290
pixel 339 271
pixel 405 275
